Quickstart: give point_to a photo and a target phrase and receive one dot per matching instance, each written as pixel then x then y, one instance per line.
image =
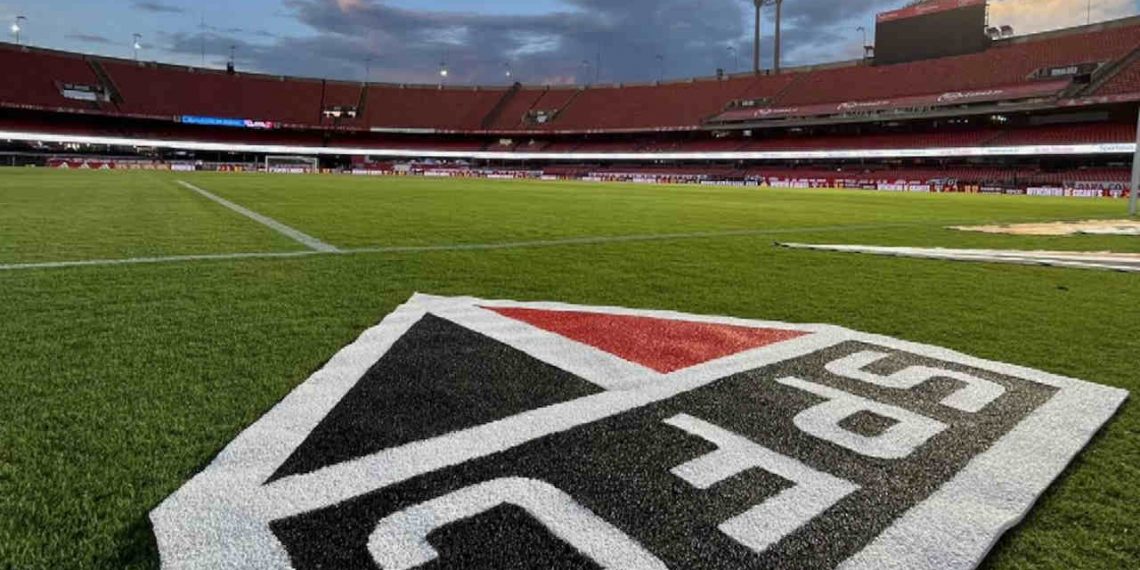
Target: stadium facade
pixel 1051 113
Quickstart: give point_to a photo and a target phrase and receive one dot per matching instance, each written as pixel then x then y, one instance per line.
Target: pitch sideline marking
pixel 289 232
pixel 154 260
pixel 597 240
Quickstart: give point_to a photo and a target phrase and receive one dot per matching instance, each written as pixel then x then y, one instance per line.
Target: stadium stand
pixel 162 90
pixel 1071 87
pixel 455 109
pixel 649 107
pixel 343 103
pixel 34 78
pixel 156 90
pixel 1010 62
pixel 1126 81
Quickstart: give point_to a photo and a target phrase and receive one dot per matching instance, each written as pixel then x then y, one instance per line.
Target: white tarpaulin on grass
pixel 1127 262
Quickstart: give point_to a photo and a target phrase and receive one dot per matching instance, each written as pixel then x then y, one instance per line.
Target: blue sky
pixel 540 41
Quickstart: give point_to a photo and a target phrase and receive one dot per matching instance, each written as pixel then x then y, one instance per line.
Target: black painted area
pixel 867 424
pixel 619 469
pixel 438 378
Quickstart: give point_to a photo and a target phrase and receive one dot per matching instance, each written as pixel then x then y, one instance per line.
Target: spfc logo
pixel 462 433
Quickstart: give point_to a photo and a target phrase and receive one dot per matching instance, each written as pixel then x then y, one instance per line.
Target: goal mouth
pixel 283 164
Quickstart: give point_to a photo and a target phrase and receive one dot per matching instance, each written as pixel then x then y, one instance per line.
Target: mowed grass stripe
pixel 359 212
pixel 595 240
pixel 291 233
pixel 50 215
pixel 118 383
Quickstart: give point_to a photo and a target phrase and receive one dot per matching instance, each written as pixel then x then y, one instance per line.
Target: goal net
pixel 292 164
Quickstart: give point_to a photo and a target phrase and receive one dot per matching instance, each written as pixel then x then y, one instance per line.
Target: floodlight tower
pixel 137 44
pixel 17 27
pixel 779 4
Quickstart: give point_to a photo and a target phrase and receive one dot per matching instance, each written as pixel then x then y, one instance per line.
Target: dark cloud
pixel 89 38
pixel 159 7
pixel 633 40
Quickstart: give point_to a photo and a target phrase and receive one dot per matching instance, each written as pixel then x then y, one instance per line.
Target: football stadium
pixel 879 312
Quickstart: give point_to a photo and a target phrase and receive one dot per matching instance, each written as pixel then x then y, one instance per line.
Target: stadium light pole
pixel 779 26
pixel 779 4
pixel 137 45
pixel 735 59
pixel 756 37
pixel 17 28
pixel 1135 196
pixel 202 34
pixel 507 71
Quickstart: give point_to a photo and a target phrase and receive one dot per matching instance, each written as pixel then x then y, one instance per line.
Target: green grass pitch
pixel 119 382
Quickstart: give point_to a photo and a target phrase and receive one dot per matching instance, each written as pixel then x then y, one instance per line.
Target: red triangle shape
pixel 660 344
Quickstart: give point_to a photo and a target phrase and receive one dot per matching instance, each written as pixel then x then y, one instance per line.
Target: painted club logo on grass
pixel 462 433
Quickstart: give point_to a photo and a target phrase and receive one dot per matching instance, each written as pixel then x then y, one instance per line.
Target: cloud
pixel 349 5
pixel 614 41
pixel 1031 16
pixel 409 45
pixel 158 7
pixel 89 38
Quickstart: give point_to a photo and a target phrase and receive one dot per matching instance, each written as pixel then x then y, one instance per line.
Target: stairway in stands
pixel 105 80
pixel 493 114
pixel 362 104
pixel 1103 76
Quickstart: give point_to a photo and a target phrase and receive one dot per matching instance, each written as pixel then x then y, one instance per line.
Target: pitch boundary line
pixel 596 240
pixel 287 231
pixel 157 259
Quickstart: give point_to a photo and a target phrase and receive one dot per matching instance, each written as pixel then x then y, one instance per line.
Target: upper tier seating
pixel 1007 63
pixel 163 90
pixel 513 113
pixel 1125 81
pixel 429 107
pixel 344 95
pixel 661 106
pixel 33 78
pixel 169 91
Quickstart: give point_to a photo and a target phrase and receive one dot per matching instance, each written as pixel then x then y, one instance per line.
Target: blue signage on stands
pixel 220 122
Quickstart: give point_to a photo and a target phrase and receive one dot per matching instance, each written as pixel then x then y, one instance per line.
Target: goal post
pixel 1134 197
pixel 292 164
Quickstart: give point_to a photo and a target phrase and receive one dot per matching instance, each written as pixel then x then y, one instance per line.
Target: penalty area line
pixel 289 232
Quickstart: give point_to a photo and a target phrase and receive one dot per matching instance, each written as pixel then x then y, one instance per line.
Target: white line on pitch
pixel 291 233
pixel 589 240
pixel 148 260
pixel 444 248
